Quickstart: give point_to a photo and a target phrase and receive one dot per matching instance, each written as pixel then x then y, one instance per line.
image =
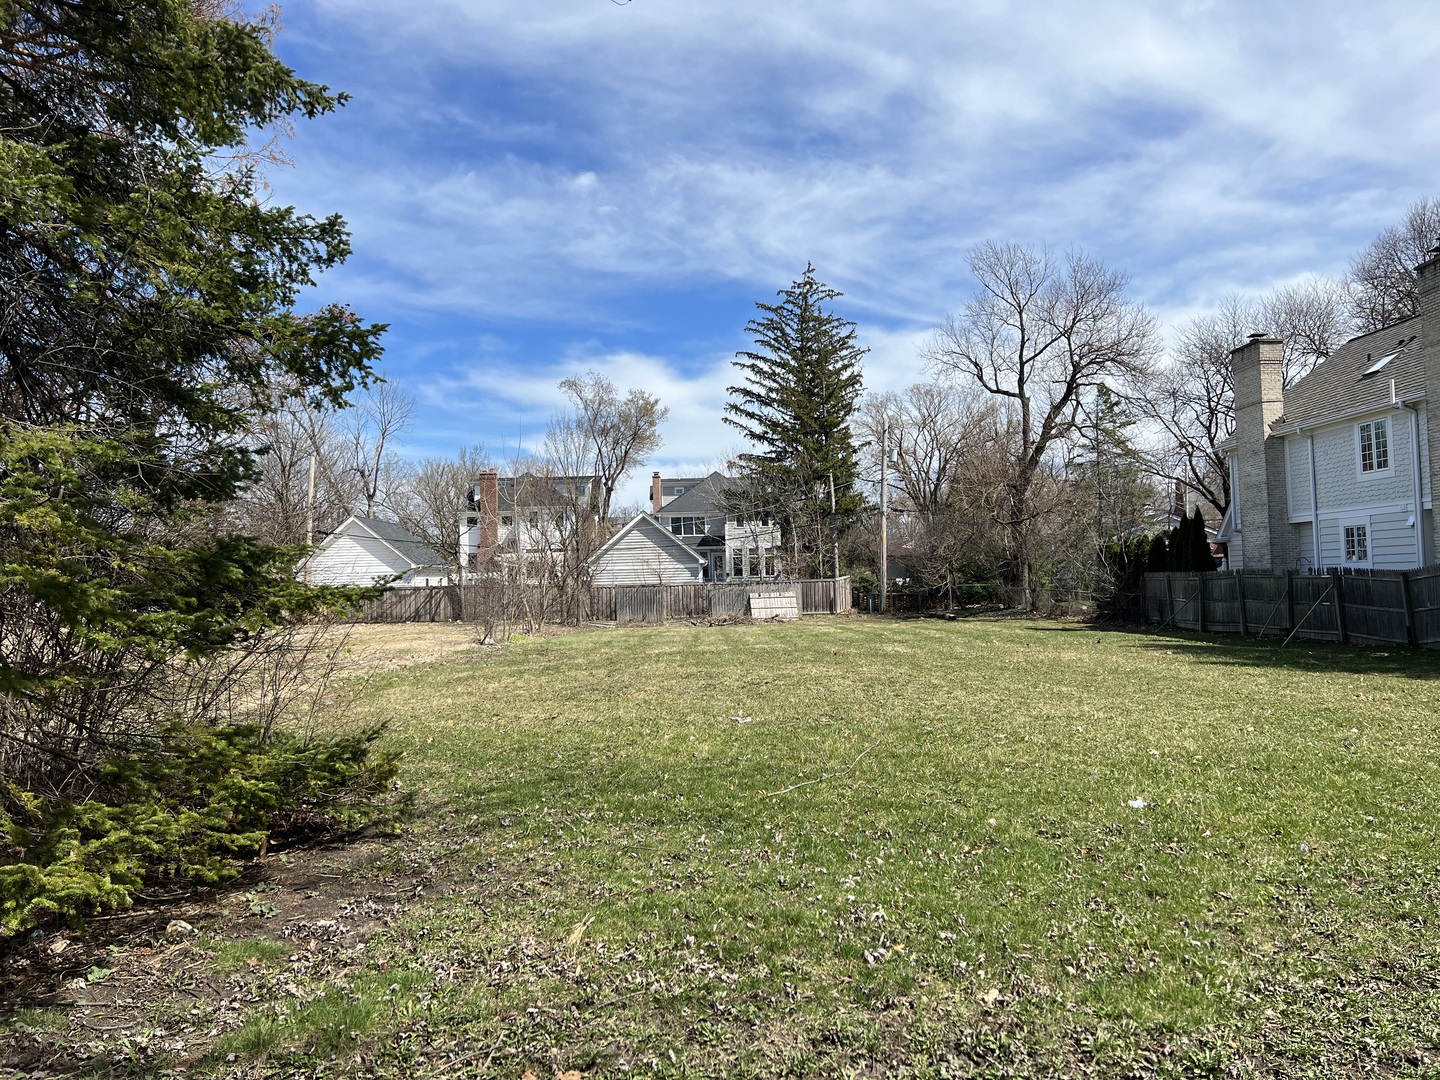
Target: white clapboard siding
pixel 1392 540
pixel 645 557
pixel 354 560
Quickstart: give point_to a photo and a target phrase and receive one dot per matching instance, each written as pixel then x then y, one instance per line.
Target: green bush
pixel 185 811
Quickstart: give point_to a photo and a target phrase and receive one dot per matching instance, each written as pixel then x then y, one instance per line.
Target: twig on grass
pixel 827 776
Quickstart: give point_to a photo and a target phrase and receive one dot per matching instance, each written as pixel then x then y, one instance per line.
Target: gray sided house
pixel 363 550
pixel 644 553
pixel 689 515
pixel 1335 472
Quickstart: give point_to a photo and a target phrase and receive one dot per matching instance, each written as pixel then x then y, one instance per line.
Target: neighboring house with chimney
pixel 689 525
pixel 1336 471
pixel 524 515
pixel 365 550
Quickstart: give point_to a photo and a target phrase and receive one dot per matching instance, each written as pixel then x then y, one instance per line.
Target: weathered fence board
pixel 433 603
pixel 1425 605
pixel 1389 607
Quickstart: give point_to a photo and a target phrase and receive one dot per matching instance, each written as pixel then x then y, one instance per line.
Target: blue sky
pixel 540 188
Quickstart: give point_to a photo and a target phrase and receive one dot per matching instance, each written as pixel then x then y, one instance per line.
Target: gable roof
pixel 648 524
pixel 705 497
pixel 394 536
pixel 531 492
pixel 1339 384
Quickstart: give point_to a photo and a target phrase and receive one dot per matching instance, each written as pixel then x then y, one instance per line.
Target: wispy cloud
pixel 569 178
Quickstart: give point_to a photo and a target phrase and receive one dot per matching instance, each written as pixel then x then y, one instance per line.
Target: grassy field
pixel 862 847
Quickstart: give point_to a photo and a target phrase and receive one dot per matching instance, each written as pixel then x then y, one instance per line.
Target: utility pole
pixel 835 538
pixel 310 518
pixel 884 510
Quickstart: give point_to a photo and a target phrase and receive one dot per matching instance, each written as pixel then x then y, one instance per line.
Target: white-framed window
pixel 679 491
pixel 1372 439
pixel 507 520
pixel 687 526
pixel 1355 541
pixel 755 562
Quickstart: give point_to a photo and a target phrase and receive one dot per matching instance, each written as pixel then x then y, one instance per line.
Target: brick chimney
pixel 487 502
pixel 1428 285
pixel 655 495
pixel 1267 540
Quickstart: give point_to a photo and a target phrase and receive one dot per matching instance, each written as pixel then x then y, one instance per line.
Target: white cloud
pixel 517 165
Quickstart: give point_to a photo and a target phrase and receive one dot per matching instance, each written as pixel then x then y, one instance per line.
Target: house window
pixel 1375 446
pixel 687 526
pixel 1356 537
pixel 507 519
pixel 472 521
pixel 679 491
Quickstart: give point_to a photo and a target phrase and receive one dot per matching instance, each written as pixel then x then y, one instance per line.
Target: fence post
pixel 1409 603
pixel 1339 591
pixel 1169 598
pixel 1290 600
pixel 1240 601
pixel 1200 600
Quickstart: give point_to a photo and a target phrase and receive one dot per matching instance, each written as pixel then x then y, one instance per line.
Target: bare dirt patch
pixel 163 981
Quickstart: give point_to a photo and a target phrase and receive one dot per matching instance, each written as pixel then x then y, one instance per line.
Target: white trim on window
pixel 687 525
pixel 1356 541
pixel 1374 444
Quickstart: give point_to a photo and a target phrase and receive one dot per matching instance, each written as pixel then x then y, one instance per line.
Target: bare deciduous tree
pixel 432 495
pixel 1040 333
pixel 1382 275
pixel 1189 398
pixel 618 434
pixel 373 422
pixel 276 507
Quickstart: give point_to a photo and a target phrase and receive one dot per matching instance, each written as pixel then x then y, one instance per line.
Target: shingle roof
pixel 1340 385
pixel 537 491
pixel 706 496
pixel 407 544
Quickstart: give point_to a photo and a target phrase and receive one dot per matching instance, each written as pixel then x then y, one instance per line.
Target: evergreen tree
pixel 147 321
pixel 1200 558
pixel 801 383
pixel 1157 559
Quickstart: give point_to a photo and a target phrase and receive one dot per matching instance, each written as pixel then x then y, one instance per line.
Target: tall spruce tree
pixel 801 383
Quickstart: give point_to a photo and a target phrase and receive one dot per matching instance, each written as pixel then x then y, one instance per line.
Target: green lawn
pixel 954 883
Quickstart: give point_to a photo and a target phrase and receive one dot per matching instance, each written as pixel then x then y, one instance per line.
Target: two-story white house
pixel 525 515
pixel 1336 471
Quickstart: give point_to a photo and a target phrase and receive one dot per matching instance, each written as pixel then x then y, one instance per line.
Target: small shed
pixel 643 552
pixel 363 549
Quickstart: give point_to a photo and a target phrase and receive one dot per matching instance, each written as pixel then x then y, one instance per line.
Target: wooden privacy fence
pixel 431 603
pixel 1384 606
pixel 656 603
pixel 617 603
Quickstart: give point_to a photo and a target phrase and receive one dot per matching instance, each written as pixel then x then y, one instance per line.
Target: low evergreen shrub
pixel 186 811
